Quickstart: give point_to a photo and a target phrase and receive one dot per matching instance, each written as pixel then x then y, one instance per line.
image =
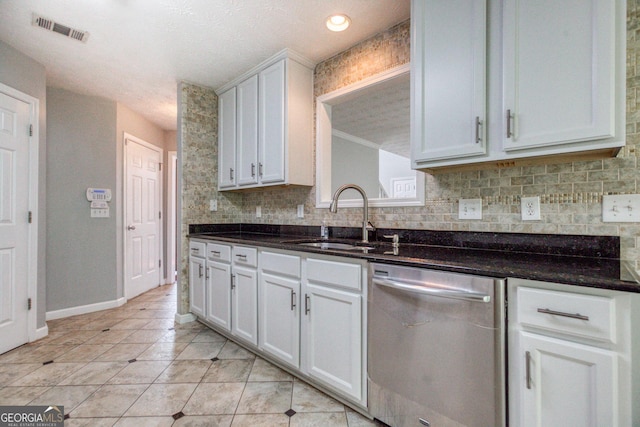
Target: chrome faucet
pixel 333 208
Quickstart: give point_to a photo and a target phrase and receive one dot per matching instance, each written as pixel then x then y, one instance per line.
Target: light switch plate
pixel 300 211
pixel 470 209
pixel 213 205
pixel 621 208
pixel 258 211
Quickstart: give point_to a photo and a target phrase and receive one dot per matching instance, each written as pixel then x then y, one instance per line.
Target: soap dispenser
pixel 324 231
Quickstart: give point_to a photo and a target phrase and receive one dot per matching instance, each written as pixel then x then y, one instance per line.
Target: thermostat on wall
pixel 99 194
pixel 99 198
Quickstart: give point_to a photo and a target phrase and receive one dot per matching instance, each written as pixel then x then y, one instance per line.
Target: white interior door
pixel 14 222
pixel 142 217
pixel 172 219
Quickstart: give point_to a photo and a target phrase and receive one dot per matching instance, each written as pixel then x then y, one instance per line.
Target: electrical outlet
pixel 470 209
pixel 530 207
pixel 621 208
pixel 213 205
pixel 300 211
pixel 258 211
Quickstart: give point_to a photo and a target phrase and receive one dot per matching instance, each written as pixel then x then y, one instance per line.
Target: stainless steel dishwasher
pixel 436 351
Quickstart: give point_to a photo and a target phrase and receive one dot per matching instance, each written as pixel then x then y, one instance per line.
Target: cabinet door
pixel 197 298
pixel 569 384
pixel 559 71
pixel 280 318
pixel 247 131
pixel 272 119
pixel 227 139
pixel 332 334
pixel 219 294
pixel 448 79
pixel 244 305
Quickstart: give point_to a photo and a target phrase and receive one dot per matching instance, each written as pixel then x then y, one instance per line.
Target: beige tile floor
pixel 133 366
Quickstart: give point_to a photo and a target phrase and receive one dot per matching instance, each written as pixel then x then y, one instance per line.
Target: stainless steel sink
pixel 336 245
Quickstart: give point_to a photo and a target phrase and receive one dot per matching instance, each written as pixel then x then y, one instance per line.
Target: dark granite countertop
pixel 592 261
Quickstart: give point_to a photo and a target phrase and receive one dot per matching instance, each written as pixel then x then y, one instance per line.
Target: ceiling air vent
pixel 48 24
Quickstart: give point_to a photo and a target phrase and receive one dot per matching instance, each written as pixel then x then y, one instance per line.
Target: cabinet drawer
pixel 334 273
pixel 216 252
pixel 281 264
pixel 568 313
pixel 245 256
pixel 197 248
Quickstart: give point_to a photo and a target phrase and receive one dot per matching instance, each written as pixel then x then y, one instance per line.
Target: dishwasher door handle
pixel 432 291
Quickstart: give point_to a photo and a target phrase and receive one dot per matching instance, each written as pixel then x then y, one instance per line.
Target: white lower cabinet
pixel 332 337
pixel 571 356
pixel 279 307
pixel 219 285
pixel 197 278
pixel 244 294
pixel 332 325
pixel 280 318
pixel 197 286
pixel 568 384
pixel 304 311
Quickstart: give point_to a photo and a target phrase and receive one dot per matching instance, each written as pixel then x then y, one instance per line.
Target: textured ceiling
pixel 138 50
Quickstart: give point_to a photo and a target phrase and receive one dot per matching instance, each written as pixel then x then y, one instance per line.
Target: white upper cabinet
pixel 559 71
pixel 247 131
pixel 449 79
pixel 273 118
pixel 227 139
pixel 272 127
pixel 503 81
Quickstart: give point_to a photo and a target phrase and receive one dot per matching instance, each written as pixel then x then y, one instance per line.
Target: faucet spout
pixel 333 207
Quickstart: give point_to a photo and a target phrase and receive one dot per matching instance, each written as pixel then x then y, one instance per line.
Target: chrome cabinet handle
pixel 231 174
pixel 241 257
pixel 260 169
pixel 563 314
pixel 509 118
pixel 206 274
pixel 131 227
pixel 478 126
pixel 253 170
pixel 233 282
pixel 293 300
pixel 528 369
pixel 200 270
pixel 195 250
pixel 307 304
pixel 215 253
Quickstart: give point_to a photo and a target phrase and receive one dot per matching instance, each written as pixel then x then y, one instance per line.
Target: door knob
pixel 131 227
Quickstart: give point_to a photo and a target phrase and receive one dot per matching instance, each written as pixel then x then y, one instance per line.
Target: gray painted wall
pixel 81 153
pixel 344 170
pixel 28 76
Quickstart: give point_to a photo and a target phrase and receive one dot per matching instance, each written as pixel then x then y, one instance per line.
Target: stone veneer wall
pixel 198 166
pixel 570 193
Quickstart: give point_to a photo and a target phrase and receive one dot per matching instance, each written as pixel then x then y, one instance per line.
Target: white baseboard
pixel 185 318
pixel 41 333
pixel 84 309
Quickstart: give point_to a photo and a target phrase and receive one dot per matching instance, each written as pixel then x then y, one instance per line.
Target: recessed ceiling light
pixel 338 22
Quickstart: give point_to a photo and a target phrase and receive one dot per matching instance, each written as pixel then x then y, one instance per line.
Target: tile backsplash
pixel 570 193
